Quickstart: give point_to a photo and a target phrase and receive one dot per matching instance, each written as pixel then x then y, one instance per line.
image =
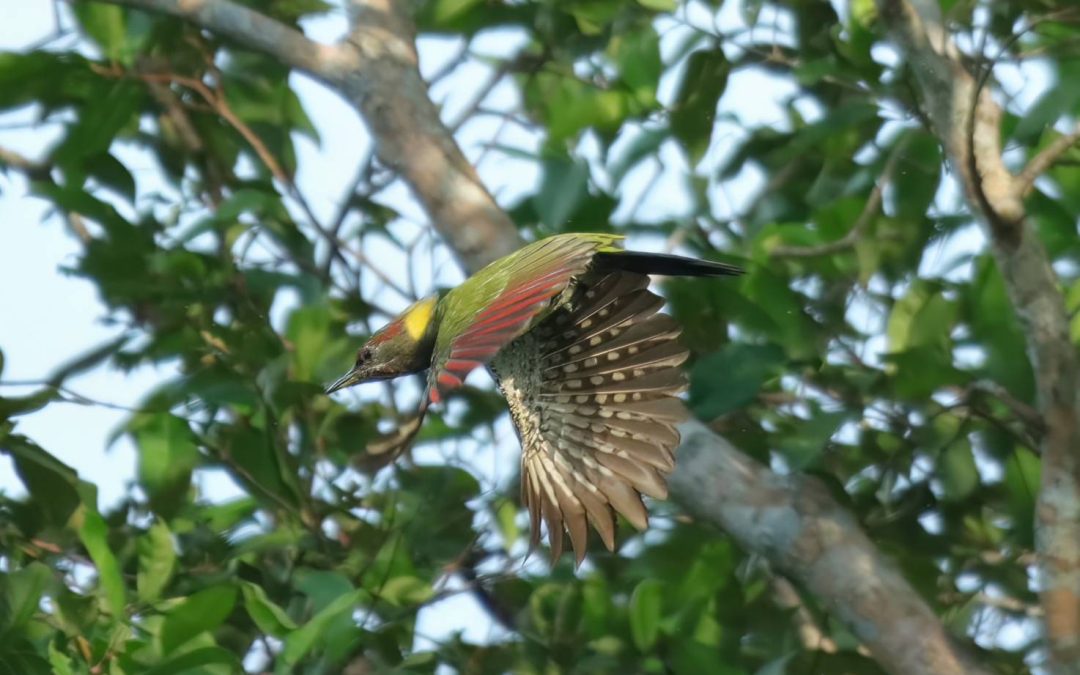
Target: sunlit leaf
pixel 93 532
pixel 645 606
pixel 302 640
pixel 167 456
pixel 267 615
pixel 204 611
pixel 694 110
pixel 157 561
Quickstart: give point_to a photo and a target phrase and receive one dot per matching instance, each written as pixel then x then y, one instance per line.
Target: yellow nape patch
pixel 418 317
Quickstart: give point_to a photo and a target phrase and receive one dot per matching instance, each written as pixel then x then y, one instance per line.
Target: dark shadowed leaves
pixel 732 377
pixel 694 111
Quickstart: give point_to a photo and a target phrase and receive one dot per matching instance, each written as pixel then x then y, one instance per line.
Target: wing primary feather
pixel 593 392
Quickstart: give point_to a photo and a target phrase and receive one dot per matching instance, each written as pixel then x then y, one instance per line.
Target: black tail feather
pixel 665 264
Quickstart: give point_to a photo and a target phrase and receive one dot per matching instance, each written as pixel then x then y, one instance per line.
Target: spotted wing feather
pixel 593 395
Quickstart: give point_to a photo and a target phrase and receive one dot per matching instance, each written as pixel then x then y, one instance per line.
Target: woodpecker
pixel 588 365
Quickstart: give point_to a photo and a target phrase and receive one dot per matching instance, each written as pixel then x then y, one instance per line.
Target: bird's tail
pixel 664 264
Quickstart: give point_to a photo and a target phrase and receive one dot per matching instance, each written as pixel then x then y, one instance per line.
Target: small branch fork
pixel 374 67
pixel 861 224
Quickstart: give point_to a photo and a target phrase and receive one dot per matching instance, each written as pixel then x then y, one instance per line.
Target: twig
pixel 478 99
pixel 1044 159
pixel 218 102
pixel 1028 415
pixel 810 634
pixel 36 170
pixel 862 222
pixel 33 169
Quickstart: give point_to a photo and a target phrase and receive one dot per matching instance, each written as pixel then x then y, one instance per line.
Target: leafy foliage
pixel 872 343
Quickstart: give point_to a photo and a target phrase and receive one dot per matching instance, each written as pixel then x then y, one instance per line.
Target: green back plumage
pixel 460 306
pixel 503 300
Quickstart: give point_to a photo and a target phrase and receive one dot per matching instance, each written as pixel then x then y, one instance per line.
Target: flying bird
pixel 588 365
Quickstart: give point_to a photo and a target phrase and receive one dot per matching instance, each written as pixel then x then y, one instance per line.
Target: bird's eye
pixel 364 354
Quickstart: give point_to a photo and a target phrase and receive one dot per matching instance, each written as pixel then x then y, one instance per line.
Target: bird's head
pixel 401 347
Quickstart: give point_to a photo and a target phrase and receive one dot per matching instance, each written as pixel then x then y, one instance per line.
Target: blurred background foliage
pixel 871 342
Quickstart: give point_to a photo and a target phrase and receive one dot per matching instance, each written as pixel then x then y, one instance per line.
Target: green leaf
pixel 506 513
pixel 406 590
pixel 304 639
pixel 1055 102
pixel 51 483
pixel 93 532
pixel 659 5
pixel 22 405
pixel 994 325
pixel 259 465
pixel 104 24
pixel 267 615
pixel 33 77
pixel 167 457
pixel 1023 476
pixel 309 332
pixel 923 317
pixel 645 144
pixel 442 13
pixel 157 559
pixel 61 664
pixel 199 613
pixel 111 173
pixel 18 656
pixel 732 377
pixel 569 105
pixel 193 660
pixel 862 12
pixel 809 439
pixel 638 57
pixel 562 189
pixel 592 17
pixel 98 123
pixel 645 604
pixel 20 595
pixel 693 112
pixel 957 471
pixel 917 181
pixel 87 361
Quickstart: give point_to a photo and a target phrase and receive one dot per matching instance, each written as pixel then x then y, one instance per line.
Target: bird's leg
pixel 385 449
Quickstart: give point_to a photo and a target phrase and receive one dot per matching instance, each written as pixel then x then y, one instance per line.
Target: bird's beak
pixel 350 378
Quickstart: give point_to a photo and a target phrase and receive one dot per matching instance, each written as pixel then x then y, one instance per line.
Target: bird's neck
pixel 413 339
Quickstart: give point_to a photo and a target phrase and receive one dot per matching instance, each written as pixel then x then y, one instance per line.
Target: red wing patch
pixel 502 321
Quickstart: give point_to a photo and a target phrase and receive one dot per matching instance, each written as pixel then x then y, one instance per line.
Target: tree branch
pixel 858 228
pixel 795 523
pixel 967 120
pixel 791 521
pixel 248 27
pixel 37 170
pixel 386 87
pixel 1041 162
pixel 375 69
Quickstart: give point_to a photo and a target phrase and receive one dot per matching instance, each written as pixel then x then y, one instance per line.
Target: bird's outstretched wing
pixel 502 301
pixel 593 394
